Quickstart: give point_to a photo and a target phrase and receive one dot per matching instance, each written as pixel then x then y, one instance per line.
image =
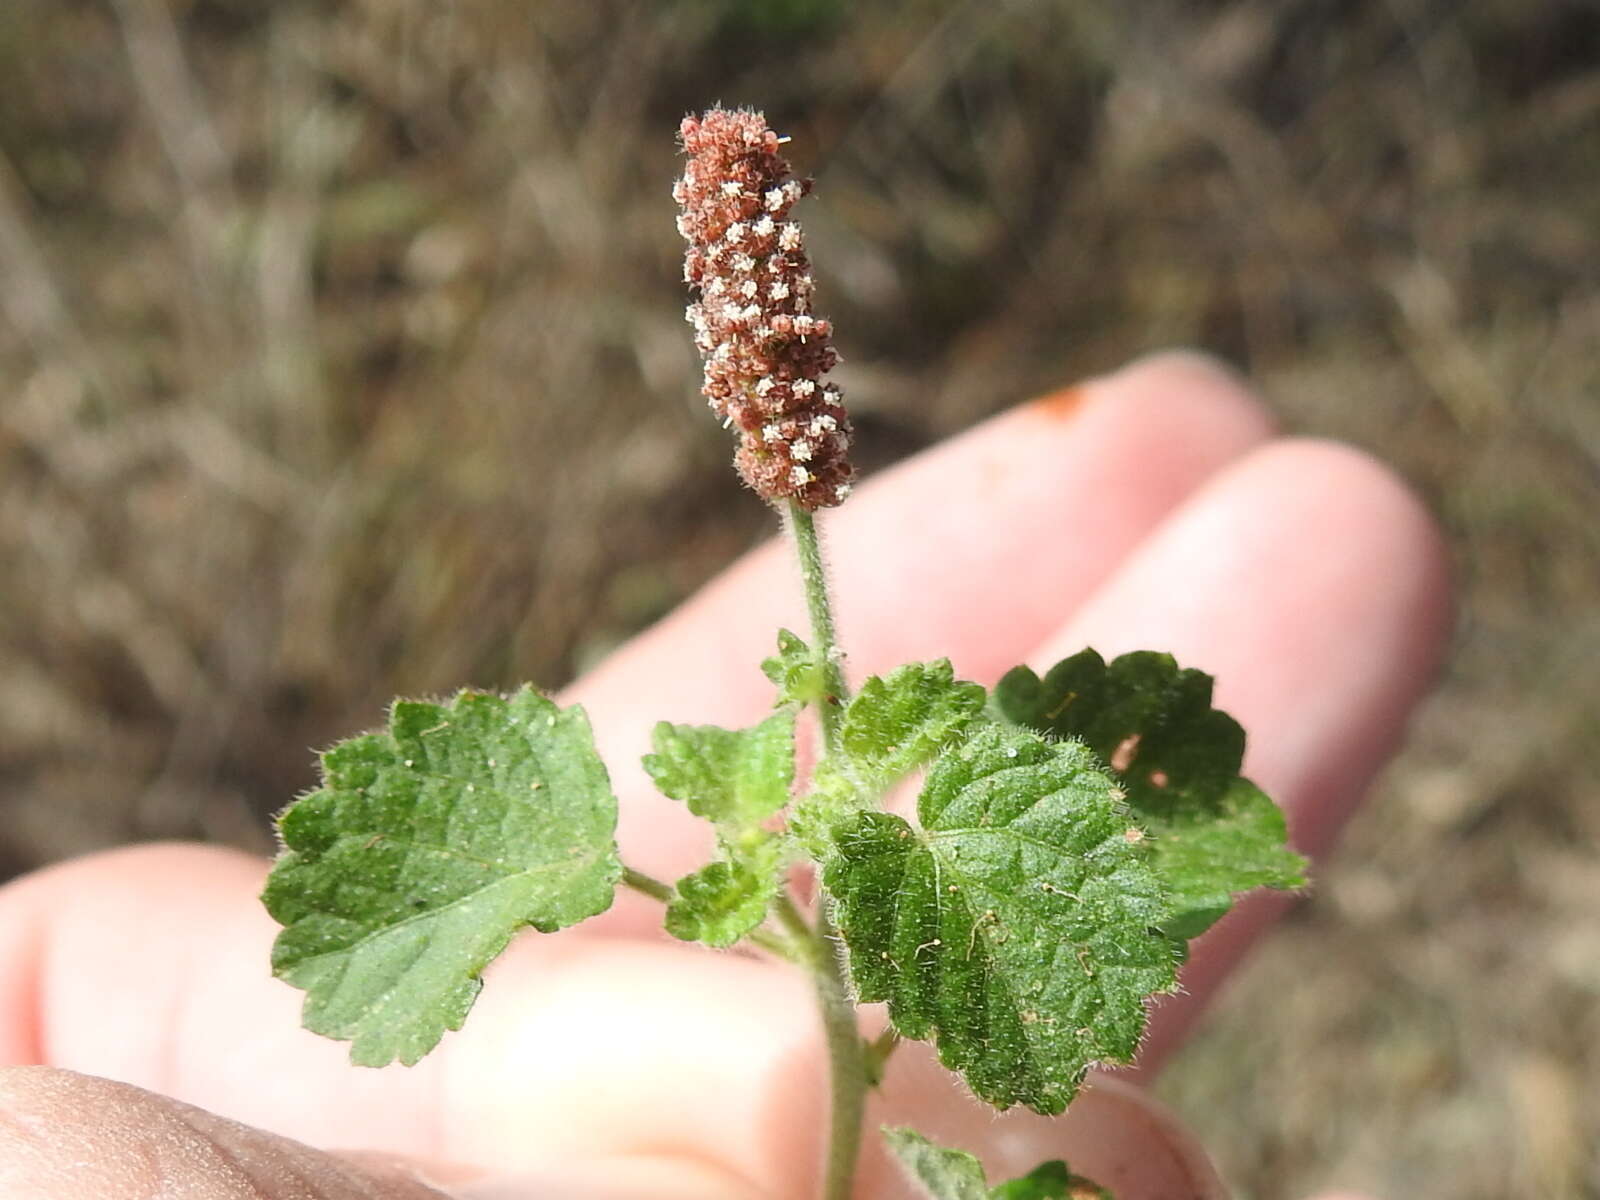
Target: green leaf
pixel 946 1174
pixel 1206 858
pixel 794 671
pixel 736 778
pixel 725 900
pixel 895 724
pixel 942 1173
pixel 1050 1181
pixel 1017 926
pixel 428 846
pixel 1214 833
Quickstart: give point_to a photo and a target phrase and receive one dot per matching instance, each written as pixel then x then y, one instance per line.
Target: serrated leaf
pixel 898 722
pixel 726 900
pixel 1016 927
pixel 946 1174
pixel 428 846
pixel 793 670
pixel 1214 833
pixel 736 778
pixel 892 726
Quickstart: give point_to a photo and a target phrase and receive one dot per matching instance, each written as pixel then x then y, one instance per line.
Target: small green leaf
pixel 427 848
pixel 736 778
pixel 794 671
pixel 1214 834
pixel 724 901
pixel 897 723
pixel 941 1173
pixel 946 1174
pixel 1017 926
pixel 893 725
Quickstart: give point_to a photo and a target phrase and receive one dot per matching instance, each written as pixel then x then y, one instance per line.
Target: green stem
pixel 792 919
pixel 847 1060
pixel 824 642
pixel 795 950
pixel 647 885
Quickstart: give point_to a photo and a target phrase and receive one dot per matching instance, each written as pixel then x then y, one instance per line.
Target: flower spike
pixel 765 352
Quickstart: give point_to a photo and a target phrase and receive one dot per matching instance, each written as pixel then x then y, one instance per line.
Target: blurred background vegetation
pixel 343 357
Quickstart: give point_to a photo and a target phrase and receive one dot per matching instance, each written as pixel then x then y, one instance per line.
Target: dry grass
pixel 316 318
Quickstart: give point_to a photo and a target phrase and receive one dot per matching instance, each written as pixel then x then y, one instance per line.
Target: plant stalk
pixel 824 642
pixel 646 885
pixel 847 1060
pixel 847 1064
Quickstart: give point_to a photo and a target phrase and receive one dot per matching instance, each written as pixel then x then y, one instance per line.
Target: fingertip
pixel 1370 586
pixel 1313 584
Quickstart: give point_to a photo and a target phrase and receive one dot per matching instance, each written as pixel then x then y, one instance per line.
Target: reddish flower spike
pixel 765 352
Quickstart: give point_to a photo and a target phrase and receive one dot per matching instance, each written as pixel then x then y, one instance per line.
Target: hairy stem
pixel 824 643
pixel 847 1060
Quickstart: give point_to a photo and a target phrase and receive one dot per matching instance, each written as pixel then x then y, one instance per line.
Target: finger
pixel 974 550
pixel 1313 586
pixel 65 1136
pixel 578 1049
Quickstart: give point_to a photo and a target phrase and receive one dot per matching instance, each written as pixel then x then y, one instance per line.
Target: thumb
pixel 64 1136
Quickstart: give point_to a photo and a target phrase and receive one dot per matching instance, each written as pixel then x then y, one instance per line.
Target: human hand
pixel 1149 509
